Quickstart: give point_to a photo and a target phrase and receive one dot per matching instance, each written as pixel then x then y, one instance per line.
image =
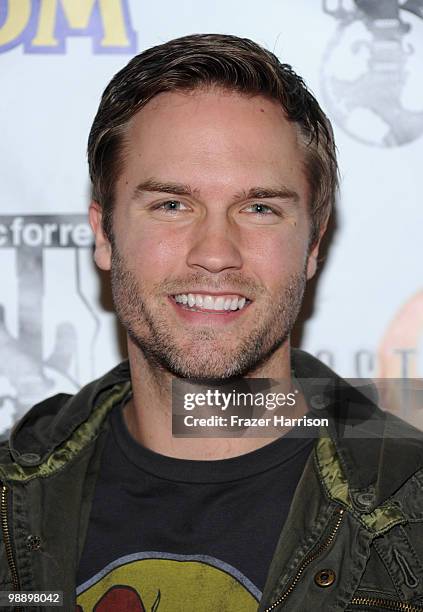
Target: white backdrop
pixel 362 59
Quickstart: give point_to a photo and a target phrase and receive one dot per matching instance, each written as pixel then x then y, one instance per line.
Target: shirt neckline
pixel 249 464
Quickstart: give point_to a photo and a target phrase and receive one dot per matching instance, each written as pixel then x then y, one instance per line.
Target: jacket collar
pixel 52 421
pixel 377 451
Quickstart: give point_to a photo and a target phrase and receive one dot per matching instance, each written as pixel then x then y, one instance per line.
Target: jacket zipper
pixel 311 557
pixel 388 604
pixel 6 538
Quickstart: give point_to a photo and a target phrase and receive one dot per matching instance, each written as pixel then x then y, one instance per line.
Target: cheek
pixel 276 255
pixel 155 253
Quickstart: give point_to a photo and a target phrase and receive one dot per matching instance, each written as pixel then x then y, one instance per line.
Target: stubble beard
pixel 202 355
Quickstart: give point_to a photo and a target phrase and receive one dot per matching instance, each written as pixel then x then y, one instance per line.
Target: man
pixel 214 174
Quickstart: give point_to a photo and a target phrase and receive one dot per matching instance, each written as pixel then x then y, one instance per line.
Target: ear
pixel 103 249
pixel 314 253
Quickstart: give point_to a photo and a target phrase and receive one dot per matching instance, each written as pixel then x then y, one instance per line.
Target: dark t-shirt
pixel 172 535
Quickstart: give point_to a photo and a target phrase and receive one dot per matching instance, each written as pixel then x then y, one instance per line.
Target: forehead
pixel 213 133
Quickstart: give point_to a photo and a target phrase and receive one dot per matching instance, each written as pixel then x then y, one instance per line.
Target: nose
pixel 215 246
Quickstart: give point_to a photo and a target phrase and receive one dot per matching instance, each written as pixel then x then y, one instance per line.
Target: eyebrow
pixel 163 187
pixel 182 189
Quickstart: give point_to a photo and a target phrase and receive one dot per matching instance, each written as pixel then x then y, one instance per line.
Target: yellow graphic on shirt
pixel 169 585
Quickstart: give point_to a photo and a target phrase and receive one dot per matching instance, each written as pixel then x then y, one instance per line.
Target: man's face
pixel 210 252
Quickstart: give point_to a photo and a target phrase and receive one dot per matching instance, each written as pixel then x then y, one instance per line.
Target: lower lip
pixel 207 316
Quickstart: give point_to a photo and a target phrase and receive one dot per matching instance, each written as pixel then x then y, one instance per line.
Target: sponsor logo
pixel 48 326
pixel 42 26
pixel 371 70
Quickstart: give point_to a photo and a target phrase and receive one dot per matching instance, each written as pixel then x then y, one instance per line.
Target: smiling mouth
pixel 211 304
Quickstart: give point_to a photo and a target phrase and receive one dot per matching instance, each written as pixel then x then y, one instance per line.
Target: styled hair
pixel 207 60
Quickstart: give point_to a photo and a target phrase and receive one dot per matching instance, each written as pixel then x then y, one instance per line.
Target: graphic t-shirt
pixel 174 535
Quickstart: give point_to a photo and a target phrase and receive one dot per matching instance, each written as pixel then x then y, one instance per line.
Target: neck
pixel 148 415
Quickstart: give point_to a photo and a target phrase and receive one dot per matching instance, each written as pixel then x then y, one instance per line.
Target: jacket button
pixel 29 459
pixel 325 577
pixel 364 500
pixel 33 542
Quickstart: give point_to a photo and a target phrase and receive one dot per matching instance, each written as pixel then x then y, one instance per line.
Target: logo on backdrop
pixel 42 26
pixel 371 72
pixel 47 325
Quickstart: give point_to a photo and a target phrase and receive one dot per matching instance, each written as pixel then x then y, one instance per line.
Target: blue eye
pixel 262 209
pixel 170 206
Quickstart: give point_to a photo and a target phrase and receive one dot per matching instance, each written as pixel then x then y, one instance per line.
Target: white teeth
pixel 210 302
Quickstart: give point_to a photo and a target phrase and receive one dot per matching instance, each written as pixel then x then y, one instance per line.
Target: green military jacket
pixel 353 539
